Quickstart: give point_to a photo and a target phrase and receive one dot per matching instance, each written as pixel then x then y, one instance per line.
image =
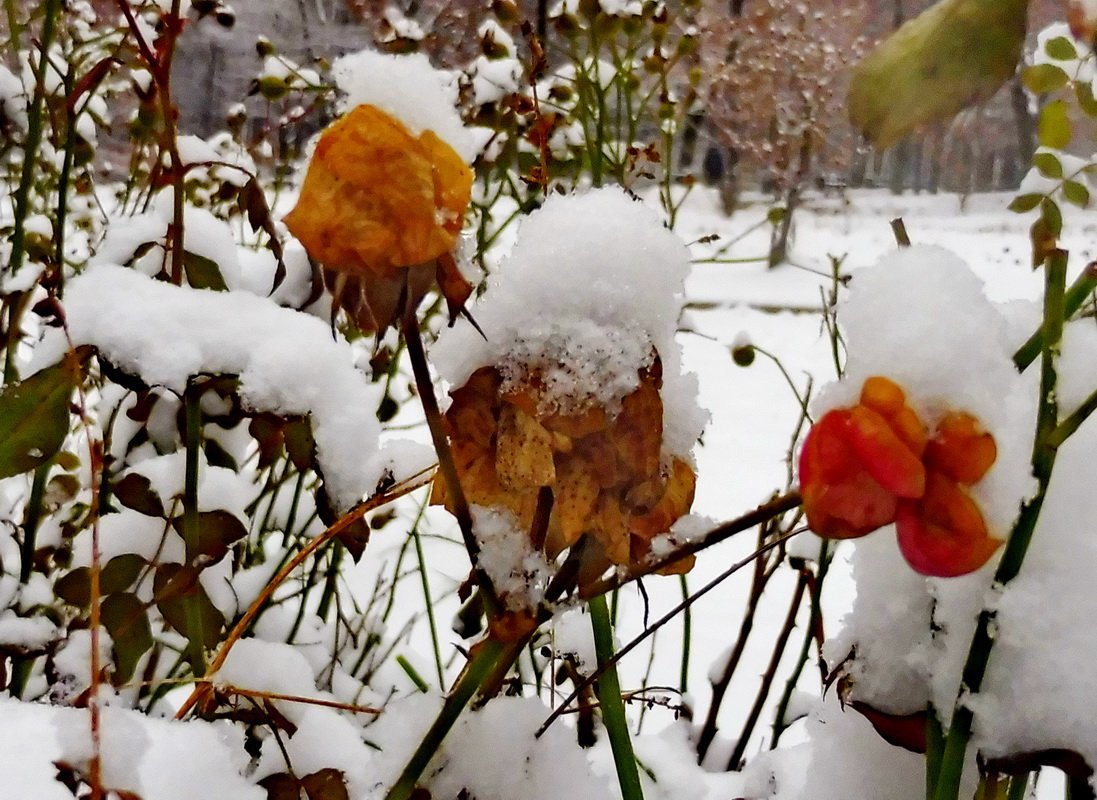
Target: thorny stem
pixel 202 689
pixel 425 387
pixel 1043 461
pixel 774 508
pixel 813 633
pixel 769 675
pixel 655 626
pixel 758 582
pixel 608 689
pixel 160 69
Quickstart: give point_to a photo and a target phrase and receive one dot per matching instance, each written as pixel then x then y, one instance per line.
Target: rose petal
pixel 885 456
pixel 961 449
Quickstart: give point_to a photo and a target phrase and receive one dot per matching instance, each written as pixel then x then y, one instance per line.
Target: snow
pixel 409 88
pixel 518 572
pixel 155 759
pixel 1043 651
pixel 287 362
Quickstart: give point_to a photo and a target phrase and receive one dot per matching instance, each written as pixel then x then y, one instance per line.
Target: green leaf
pixel 1076 193
pixel 217 530
pixel 120 573
pixel 953 55
pixel 1061 49
pixel 174 586
pixel 1054 126
pixel 202 272
pixel 1048 165
pixel 1083 91
pixel 1044 78
pixel 74 587
pixel 127 622
pixel 34 417
pixel 1025 202
pixel 299 443
pixel 134 491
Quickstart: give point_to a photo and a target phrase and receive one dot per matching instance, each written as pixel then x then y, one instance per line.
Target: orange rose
pixel 377 199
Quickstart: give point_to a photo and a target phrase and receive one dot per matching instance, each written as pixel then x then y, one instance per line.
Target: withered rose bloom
pixel 613 491
pixel 379 209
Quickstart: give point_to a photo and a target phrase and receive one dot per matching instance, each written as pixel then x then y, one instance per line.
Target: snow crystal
pixel 195 150
pixel 323 740
pixel 519 573
pixel 573 637
pixel 848 759
pixel 12 102
pixel 409 88
pixel 591 289
pixel 203 235
pixel 554 764
pixel 268 667
pixel 26 633
pixel 287 362
pixel 155 759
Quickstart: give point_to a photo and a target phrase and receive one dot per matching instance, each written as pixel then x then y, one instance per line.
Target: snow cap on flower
pixel 410 89
pixel 386 191
pixel 591 288
pixel 577 385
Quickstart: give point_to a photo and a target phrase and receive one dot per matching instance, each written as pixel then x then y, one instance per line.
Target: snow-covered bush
pixel 236 417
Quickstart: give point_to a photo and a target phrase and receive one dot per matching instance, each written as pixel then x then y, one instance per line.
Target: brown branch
pixel 765 512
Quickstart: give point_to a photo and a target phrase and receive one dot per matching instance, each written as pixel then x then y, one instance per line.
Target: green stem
pixel 935 748
pixel 33 140
pixel 1018 787
pixel 191 525
pixel 1043 461
pixel 1076 295
pixel 687 630
pixel 484 662
pixel 331 575
pixel 13 33
pixel 34 516
pixel 425 583
pixel 613 707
